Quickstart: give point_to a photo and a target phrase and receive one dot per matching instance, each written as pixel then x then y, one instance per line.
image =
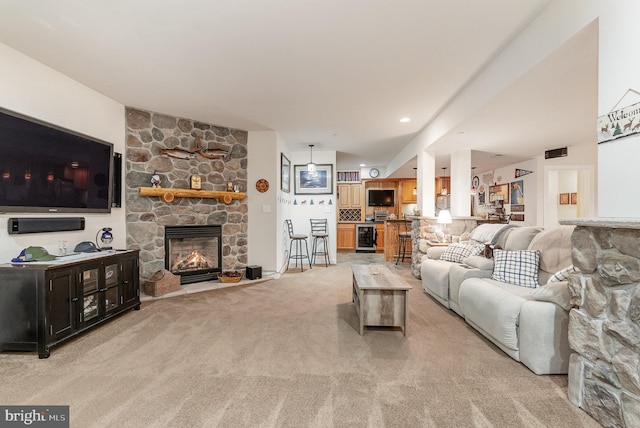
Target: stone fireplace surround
pixel 147 133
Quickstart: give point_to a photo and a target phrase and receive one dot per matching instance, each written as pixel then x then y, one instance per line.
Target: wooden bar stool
pixel 298 239
pixel 320 236
pixel 403 237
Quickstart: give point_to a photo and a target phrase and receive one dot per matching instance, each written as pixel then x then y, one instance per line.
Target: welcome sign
pixel 619 123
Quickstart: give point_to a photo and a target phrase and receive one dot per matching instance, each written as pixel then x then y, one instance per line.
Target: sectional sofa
pixel 519 299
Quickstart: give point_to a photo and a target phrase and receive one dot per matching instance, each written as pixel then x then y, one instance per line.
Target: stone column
pixel 425 229
pixel 604 325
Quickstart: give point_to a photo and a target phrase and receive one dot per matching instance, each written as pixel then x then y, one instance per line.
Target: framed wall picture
pixel 285 173
pixel 564 199
pixel 320 183
pixel 574 199
pixel 499 193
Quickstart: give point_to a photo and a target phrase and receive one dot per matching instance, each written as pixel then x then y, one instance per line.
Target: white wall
pixel 302 210
pixel 619 71
pixel 506 175
pixel 262 156
pixel 32 89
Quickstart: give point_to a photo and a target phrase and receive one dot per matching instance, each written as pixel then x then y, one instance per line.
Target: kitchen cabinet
pixel 349 196
pixel 407 196
pixel 346 237
pixel 379 237
pixel 44 304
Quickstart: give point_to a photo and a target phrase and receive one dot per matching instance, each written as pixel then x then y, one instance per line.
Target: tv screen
pixel 380 198
pixel 44 168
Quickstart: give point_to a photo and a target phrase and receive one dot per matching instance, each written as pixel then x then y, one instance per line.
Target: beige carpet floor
pixel 287 353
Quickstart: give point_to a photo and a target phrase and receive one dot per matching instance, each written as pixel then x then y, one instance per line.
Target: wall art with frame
pixel 320 183
pixel 285 173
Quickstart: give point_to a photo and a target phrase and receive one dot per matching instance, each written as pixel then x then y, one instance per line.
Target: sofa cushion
pixel 458 252
pixel 516 267
pixel 555 292
pixel 494 307
pixel 562 274
pixel 554 245
pixel 520 238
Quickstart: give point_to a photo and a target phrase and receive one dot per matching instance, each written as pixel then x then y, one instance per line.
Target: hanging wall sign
pixel 619 123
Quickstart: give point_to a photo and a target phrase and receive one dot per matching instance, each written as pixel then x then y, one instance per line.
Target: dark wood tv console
pixel 45 303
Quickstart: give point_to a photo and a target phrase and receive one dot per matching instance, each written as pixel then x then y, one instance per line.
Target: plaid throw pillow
pixel 516 267
pixel 562 274
pixel 458 252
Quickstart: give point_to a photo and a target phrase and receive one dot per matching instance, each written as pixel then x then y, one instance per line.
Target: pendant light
pixel 311 167
pixel 444 189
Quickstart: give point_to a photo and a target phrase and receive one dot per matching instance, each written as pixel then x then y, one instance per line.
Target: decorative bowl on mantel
pixel 230 276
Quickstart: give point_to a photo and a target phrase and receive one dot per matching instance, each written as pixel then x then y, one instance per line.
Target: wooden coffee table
pixel 381 297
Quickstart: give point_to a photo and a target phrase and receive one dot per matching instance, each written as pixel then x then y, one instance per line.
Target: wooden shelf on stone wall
pixel 169 195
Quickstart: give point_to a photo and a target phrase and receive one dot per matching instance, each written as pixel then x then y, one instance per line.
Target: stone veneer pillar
pixel 604 325
pixel 146 134
pixel 425 229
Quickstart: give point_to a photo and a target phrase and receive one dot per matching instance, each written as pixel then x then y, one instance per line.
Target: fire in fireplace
pixel 193 252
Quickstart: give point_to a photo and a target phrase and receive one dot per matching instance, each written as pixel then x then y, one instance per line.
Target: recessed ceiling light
pixel 363 164
pixel 405 120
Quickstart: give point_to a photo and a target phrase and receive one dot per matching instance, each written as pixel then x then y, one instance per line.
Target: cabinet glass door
pixel 90 287
pixel 112 290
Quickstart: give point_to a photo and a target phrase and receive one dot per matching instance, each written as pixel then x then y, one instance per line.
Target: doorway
pixel 569 192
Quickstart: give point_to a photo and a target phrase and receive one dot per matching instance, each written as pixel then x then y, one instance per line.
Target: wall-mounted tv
pixel 380 198
pixel 44 168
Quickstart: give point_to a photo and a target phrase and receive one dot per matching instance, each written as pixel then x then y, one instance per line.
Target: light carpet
pixel 287 353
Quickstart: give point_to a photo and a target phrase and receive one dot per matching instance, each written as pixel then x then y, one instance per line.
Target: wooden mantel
pixel 169 195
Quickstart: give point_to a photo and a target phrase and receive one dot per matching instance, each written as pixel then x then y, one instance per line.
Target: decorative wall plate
pixel 262 185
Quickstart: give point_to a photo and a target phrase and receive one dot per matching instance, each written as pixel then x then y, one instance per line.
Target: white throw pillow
pixel 556 292
pixel 516 267
pixel 458 252
pixel 562 274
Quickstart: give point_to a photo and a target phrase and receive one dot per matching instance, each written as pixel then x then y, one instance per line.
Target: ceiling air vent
pixel 555 153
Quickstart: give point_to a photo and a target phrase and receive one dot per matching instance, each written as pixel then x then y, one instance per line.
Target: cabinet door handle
pixel 75 299
pixel 125 282
pixel 102 289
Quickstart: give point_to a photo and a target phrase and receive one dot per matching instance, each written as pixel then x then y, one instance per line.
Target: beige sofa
pixel 436 273
pixel 528 324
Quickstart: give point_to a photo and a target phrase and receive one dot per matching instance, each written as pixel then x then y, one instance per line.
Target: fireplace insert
pixel 193 252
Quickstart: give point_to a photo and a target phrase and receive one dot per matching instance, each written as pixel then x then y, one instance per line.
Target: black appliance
pixel 366 237
pixel 254 272
pixel 44 168
pixel 380 198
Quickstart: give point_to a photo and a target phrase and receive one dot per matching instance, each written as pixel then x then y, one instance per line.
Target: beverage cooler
pixel 366 236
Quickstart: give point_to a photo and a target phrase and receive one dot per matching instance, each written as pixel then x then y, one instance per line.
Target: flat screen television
pixel 44 168
pixel 380 198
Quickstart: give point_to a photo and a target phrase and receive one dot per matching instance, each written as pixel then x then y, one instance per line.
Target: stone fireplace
pixel 147 217
pixel 193 252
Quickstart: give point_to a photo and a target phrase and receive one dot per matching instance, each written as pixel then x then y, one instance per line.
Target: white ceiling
pixel 334 73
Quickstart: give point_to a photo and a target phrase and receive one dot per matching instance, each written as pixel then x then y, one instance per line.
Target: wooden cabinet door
pixel 380 238
pixel 346 236
pixel 407 191
pixel 130 288
pixel 344 196
pixel 63 304
pixel 354 193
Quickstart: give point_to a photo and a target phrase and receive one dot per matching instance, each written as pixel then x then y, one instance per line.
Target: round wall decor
pixel 262 185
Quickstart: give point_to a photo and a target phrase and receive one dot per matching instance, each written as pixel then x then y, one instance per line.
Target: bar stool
pixel 403 237
pixel 320 236
pixel 298 239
